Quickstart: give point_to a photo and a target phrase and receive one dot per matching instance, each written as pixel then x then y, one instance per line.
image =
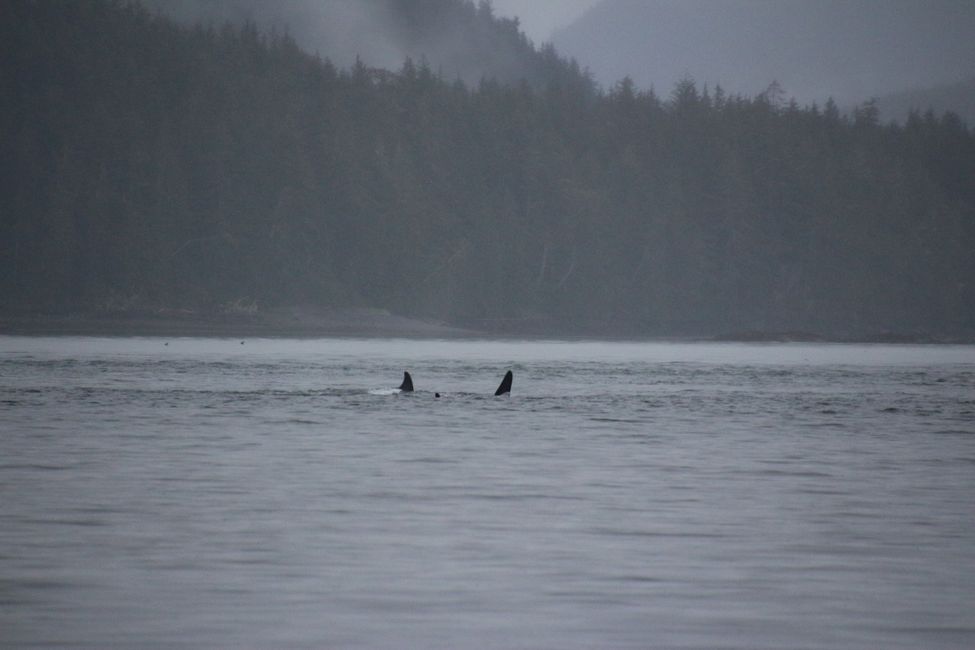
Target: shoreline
pixel 364 323
pixel 380 323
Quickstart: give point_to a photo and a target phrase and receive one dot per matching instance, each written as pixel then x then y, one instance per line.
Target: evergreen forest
pixel 149 166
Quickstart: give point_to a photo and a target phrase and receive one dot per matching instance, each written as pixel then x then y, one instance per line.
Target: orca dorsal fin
pixel 407 385
pixel 505 386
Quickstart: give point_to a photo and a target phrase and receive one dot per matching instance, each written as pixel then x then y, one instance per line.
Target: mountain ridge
pixel 457 39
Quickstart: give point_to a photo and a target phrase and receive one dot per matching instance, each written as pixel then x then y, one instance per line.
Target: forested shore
pixel 150 167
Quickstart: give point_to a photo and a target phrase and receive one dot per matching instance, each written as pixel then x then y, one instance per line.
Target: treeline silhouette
pixel 148 165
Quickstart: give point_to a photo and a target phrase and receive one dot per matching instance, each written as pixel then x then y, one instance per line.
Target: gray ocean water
pixel 204 493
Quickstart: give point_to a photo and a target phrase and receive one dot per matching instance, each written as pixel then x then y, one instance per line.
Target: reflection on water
pixel 199 493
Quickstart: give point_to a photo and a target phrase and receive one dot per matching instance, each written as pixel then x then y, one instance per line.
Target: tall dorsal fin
pixel 407 385
pixel 505 386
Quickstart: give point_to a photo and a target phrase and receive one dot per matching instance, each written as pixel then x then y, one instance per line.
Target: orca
pixel 407 385
pixel 505 386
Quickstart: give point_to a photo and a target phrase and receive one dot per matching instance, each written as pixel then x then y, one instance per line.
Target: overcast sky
pixel 539 18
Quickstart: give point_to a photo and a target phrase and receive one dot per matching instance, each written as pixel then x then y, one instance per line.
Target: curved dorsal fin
pixel 505 386
pixel 407 385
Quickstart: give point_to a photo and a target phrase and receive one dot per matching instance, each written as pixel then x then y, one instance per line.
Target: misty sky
pixel 849 50
pixel 539 18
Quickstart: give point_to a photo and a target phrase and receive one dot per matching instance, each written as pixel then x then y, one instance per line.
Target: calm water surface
pixel 190 493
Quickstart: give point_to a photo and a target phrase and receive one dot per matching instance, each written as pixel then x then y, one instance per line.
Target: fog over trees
pixel 956 97
pixel 458 40
pixel 149 164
